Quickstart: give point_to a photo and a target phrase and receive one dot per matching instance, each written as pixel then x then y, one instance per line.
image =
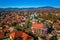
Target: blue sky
pixel 29 3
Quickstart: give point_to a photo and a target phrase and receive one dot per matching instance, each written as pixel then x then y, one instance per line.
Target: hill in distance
pixel 46 8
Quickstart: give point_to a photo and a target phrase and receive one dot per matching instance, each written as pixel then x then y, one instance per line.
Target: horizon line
pixel 28 6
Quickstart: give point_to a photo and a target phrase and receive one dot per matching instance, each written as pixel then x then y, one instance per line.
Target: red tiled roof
pixel 39 25
pixel 20 34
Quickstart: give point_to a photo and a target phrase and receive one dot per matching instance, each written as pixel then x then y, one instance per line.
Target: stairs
pixel 58 33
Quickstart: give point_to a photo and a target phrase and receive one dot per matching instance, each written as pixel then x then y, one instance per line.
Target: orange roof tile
pixel 39 25
pixel 12 35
